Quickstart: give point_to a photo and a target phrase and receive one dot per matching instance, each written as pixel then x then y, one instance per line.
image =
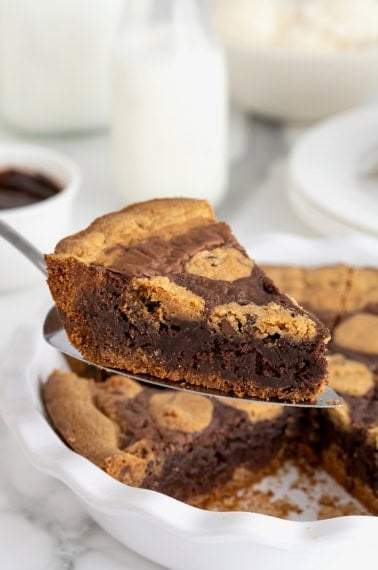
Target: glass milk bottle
pixel 54 63
pixel 169 103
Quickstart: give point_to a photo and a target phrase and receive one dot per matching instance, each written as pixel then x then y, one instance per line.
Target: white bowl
pixel 163 529
pixel 298 86
pixel 42 223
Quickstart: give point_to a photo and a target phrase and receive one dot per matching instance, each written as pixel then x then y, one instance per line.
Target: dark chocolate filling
pixel 192 346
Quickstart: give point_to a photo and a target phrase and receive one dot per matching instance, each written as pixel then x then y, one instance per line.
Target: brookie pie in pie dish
pixel 163 288
pixel 196 448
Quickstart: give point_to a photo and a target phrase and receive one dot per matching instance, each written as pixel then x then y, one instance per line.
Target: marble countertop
pixel 42 526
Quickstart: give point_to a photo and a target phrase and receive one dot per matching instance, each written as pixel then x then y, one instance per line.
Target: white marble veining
pixel 42 526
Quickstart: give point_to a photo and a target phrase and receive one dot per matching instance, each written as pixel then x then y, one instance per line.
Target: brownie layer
pixel 349 435
pixel 184 303
pixel 351 449
pixel 230 440
pixel 169 441
pixel 335 463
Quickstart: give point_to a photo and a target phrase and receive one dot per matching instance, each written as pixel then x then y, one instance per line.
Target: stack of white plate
pixel 333 174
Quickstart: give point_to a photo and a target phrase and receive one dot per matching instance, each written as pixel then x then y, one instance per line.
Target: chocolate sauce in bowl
pixel 21 188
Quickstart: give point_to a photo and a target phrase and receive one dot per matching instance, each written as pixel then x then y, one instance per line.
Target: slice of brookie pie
pixel 163 288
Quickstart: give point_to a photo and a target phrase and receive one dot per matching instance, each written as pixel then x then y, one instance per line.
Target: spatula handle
pixel 23 245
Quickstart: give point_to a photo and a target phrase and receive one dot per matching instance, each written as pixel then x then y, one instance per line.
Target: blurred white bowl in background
pixel 294 86
pixel 299 61
pixel 42 223
pixel 333 174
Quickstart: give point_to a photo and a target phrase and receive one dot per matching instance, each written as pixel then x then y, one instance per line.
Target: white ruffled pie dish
pixel 161 528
